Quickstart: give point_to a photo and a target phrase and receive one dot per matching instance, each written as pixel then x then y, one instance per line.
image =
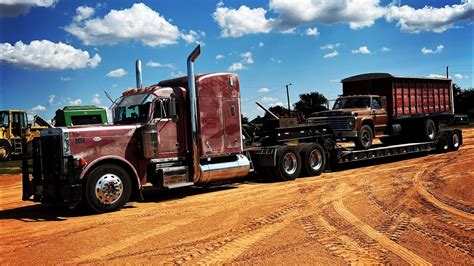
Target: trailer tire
pixel 5 150
pixel 429 130
pixel 443 143
pixel 288 164
pixel 365 137
pixel 455 141
pixel 108 188
pixel 313 159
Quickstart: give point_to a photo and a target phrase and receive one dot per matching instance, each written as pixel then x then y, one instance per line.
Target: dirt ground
pixel 419 210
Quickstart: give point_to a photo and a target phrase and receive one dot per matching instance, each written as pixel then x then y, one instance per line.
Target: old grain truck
pixel 177 133
pixel 393 109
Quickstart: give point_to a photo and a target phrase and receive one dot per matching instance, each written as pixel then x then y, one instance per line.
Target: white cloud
pixel 193 36
pixel 264 90
pixel 75 102
pixel 83 12
pixel 236 67
pixel 385 49
pixel 288 31
pixel 247 58
pixel 177 74
pixel 279 103
pixel 330 46
pixel 219 57
pixel 429 18
pixel 238 22
pixel 438 50
pixel 261 44
pixel 312 31
pixel 358 13
pixel 51 99
pixel 117 73
pixel 275 60
pixel 95 99
pixel 334 80
pixel 65 78
pixel 332 54
pixel 13 8
pixel 361 50
pixel 460 76
pixel 39 108
pixel 435 76
pixel 157 64
pixel 136 23
pixel 45 54
pixel 269 99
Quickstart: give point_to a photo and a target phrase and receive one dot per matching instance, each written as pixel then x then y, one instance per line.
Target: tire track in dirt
pixel 337 244
pixel 434 200
pixel 400 251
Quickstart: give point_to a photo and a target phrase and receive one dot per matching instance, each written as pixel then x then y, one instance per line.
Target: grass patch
pixel 10 167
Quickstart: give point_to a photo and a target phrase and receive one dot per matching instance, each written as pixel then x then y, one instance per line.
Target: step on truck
pixel 180 132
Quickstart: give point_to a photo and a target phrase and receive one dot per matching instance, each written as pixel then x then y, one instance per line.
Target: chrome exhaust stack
pixel 193 111
pixel 138 73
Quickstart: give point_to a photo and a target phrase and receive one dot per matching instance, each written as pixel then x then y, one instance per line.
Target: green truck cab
pixel 80 115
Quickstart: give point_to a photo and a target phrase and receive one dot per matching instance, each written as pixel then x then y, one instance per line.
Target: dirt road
pixel 414 211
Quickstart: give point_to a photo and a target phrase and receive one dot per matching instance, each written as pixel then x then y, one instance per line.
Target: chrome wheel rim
pixel 455 141
pixel 108 189
pixel 431 132
pixel 365 137
pixel 315 159
pixel 289 163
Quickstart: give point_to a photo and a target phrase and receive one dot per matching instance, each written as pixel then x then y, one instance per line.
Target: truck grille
pixel 336 123
pixel 50 159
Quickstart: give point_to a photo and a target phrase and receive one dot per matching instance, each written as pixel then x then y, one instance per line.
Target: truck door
pixel 169 141
pixel 379 116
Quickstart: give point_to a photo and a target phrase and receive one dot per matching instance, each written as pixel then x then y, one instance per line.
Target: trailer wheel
pixel 313 159
pixel 443 143
pixel 365 137
pixel 288 163
pixel 429 130
pixel 455 141
pixel 5 150
pixel 108 188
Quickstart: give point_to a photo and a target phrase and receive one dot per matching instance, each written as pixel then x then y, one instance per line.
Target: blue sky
pixel 56 52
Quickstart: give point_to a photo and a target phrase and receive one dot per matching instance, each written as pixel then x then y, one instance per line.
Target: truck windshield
pixel 132 109
pixel 352 102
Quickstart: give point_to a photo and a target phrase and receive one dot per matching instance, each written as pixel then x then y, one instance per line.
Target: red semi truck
pixel 393 109
pixel 176 133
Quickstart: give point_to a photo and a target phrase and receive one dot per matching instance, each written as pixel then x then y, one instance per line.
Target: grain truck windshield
pixel 352 102
pixel 133 109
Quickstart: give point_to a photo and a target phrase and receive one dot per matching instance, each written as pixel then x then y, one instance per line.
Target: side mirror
pixel 172 109
pixel 383 100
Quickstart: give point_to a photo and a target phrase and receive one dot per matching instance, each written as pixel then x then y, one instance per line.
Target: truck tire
pixel 365 137
pixel 5 150
pixel 313 159
pixel 288 164
pixel 455 141
pixel 108 188
pixel 443 143
pixel 429 130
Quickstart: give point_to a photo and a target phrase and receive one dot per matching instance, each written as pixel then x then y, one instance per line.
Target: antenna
pixel 108 96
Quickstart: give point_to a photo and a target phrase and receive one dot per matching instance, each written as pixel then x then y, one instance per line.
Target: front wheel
pixel 108 188
pixel 5 151
pixel 365 137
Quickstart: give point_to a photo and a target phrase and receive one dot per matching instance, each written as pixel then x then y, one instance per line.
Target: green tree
pixel 463 100
pixel 310 103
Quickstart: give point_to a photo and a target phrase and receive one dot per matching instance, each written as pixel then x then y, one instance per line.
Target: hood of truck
pixel 110 140
pixel 342 112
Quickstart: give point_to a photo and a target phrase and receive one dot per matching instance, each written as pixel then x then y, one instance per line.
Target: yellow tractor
pixel 15 133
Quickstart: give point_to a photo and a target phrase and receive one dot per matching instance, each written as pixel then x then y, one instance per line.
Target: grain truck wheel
pixel 313 159
pixel 455 141
pixel 5 150
pixel 108 188
pixel 288 164
pixel 429 130
pixel 365 137
pixel 443 143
